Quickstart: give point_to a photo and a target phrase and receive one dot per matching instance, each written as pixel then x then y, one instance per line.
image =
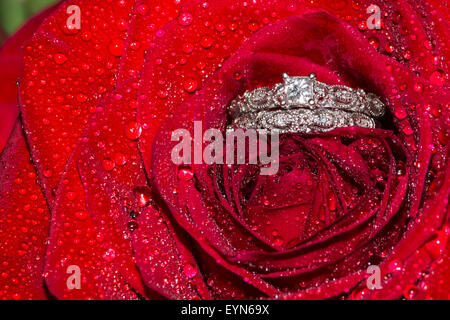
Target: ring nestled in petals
pixel 303 104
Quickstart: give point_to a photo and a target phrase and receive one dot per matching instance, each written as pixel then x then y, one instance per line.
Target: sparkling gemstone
pixel 279 120
pixel 298 90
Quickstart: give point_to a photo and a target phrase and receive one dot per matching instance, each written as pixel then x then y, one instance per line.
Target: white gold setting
pixel 303 104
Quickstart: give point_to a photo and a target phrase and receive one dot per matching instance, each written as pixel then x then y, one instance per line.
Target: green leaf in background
pixel 13 13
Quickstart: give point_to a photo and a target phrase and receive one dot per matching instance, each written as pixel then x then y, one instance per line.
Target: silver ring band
pixel 303 104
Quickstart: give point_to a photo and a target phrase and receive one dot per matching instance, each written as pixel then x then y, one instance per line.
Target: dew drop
pixel 86 36
pixel 237 76
pixel 444 136
pixel 60 58
pixel 120 159
pixel 206 42
pixel 395 265
pixel 190 85
pixel 253 26
pixel 437 77
pixel 109 255
pixel 389 48
pixel 362 26
pixel 188 47
pixel 332 202
pixel 116 47
pixel 185 173
pixel 185 19
pixel 418 87
pixel 400 114
pixel 190 270
pixel 410 292
pixel 143 195
pixel 374 42
pixel 143 9
pixel 71 195
pixel 428 45
pixel 133 130
pixel 408 130
pixel 132 226
pixel 122 24
pixel 108 164
pixel 81 98
pixel 278 241
pixel 134 214
pixel 407 55
pixel 48 173
pixel 81 215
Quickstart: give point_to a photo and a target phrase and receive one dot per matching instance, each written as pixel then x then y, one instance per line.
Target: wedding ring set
pixel 303 104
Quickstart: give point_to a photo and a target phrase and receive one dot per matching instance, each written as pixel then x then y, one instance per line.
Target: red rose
pixel 102 198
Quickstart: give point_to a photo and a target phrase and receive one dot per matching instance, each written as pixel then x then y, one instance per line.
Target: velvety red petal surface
pixel 110 166
pixel 99 106
pixel 11 66
pixel 66 73
pixel 80 105
pixel 210 227
pixel 24 223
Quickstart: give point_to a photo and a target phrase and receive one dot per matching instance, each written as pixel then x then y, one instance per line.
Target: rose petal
pixel 24 223
pixel 10 64
pixel 111 198
pixel 65 73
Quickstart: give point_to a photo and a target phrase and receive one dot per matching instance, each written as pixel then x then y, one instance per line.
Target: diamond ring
pixel 303 104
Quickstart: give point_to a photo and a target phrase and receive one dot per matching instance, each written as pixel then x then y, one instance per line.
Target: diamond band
pixel 304 120
pixel 303 104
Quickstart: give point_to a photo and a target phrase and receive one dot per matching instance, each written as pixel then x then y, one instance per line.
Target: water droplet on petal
pixel 71 195
pixel 190 270
pixel 332 202
pixel 410 292
pixel 437 77
pixel 143 9
pixel 408 130
pixel 108 164
pixel 60 58
pixel 278 241
pixel 395 265
pixel 143 195
pixel 188 47
pixel 407 55
pixel 428 45
pixel 190 85
pixel 81 98
pixel 206 42
pixel 109 255
pixel 134 214
pixel 120 159
pixel 81 215
pixel 237 76
pixel 185 19
pixel 122 24
pixel 116 47
pixel 185 173
pixel 48 173
pixel 374 42
pixel 253 26
pixel 132 226
pixel 418 87
pixel 133 130
pixel 362 25
pixel 400 114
